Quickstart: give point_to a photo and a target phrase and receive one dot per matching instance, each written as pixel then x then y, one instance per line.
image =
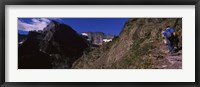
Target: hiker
pixel 168 34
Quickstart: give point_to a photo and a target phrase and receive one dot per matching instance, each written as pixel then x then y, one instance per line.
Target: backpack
pixel 168 33
pixel 176 34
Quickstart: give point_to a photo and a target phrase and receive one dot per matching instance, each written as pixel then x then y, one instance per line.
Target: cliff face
pixel 97 38
pixel 57 46
pixel 140 45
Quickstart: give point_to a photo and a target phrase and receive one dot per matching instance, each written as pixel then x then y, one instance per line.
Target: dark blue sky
pixel 106 25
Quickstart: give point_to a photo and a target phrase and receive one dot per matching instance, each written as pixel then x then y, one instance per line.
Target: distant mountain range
pixel 93 38
pixel 97 38
pixel 56 46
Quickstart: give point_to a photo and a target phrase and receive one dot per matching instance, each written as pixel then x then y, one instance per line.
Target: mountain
pixel 139 46
pixel 97 38
pixel 57 46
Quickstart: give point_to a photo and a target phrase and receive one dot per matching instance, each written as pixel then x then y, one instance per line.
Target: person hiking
pixel 168 34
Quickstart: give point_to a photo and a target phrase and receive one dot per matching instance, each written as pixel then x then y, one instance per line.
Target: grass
pixel 93 53
pixel 137 56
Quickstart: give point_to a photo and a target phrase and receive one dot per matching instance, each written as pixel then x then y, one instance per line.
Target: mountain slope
pixel 139 45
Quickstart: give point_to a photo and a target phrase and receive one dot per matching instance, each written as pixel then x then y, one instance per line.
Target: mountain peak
pixel 54 22
pixel 57 46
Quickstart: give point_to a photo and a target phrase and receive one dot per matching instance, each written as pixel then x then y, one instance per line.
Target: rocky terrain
pixel 57 46
pixel 97 38
pixel 139 46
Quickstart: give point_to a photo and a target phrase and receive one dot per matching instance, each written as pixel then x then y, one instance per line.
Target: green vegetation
pixel 139 46
pixel 93 53
pixel 135 57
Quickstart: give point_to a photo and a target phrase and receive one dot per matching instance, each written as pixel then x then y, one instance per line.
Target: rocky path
pixel 170 61
pixel 175 60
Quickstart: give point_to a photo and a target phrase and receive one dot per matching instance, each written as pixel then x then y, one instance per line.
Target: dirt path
pixel 175 60
pixel 170 61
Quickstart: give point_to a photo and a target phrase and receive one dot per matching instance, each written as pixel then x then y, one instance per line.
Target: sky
pixel 106 25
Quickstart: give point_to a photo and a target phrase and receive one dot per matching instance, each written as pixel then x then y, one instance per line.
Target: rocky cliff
pixel 139 45
pixel 57 46
pixel 97 38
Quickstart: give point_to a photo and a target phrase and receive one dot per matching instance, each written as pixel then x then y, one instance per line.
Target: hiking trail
pixel 169 61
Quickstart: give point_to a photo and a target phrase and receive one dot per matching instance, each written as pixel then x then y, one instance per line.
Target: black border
pixel 97 2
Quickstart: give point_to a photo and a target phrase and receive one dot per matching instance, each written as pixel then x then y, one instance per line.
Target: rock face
pixel 97 38
pixel 57 46
pixel 139 45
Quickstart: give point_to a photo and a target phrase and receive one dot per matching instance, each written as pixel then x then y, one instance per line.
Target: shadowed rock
pixel 57 46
